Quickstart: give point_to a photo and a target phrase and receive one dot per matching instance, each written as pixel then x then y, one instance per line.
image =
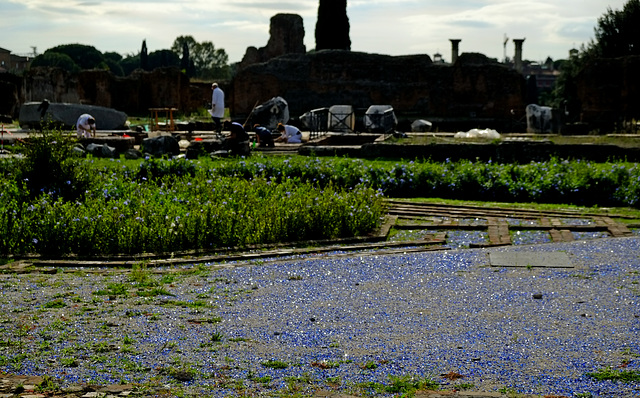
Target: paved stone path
pixel 499 222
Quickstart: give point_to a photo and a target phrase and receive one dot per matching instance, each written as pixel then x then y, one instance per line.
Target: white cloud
pixel 393 27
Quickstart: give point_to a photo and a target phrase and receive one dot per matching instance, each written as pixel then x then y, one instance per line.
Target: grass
pixel 275 364
pixel 621 375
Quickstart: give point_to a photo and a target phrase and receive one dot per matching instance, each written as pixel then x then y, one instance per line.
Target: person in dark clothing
pixel 238 140
pixel 263 135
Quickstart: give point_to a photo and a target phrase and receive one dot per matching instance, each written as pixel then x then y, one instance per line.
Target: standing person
pixel 217 107
pixel 289 134
pixel 86 126
pixel 263 135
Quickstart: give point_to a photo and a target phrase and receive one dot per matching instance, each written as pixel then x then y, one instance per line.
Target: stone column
pixel 517 60
pixel 454 49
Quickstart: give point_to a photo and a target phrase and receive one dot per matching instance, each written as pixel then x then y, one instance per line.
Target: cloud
pixel 393 27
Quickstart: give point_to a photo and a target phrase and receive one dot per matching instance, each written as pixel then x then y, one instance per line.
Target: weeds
pixel 622 375
pixel 275 364
pixel 57 303
pixel 47 385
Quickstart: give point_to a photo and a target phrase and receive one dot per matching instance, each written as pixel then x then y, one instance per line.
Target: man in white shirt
pixel 86 126
pixel 217 107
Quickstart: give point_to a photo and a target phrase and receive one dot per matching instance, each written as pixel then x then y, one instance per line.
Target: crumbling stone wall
pixel 286 36
pixel 473 87
pixel 134 94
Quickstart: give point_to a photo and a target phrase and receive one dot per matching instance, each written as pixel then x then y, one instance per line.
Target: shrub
pixel 48 167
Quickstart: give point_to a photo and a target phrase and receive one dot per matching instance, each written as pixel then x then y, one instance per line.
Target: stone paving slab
pixel 530 259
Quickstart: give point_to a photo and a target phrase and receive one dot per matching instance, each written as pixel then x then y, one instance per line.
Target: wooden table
pixel 169 125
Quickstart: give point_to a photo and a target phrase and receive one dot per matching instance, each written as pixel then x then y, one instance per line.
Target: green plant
pixel 49 167
pixel 47 385
pixel 369 365
pixel 217 337
pixel 68 361
pixel 114 289
pixel 405 384
pixel 508 390
pixel 324 364
pixel 275 364
pixel 57 303
pixel 623 375
pixel 464 386
pixel 263 379
pixel 140 274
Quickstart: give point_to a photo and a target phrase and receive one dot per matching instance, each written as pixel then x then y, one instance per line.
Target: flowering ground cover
pixel 365 325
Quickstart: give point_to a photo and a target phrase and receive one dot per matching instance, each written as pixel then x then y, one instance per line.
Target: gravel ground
pixel 344 324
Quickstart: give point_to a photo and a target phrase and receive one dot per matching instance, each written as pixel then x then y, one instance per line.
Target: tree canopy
pixel 56 60
pixel 205 60
pixel 86 57
pixel 618 32
pixel 200 60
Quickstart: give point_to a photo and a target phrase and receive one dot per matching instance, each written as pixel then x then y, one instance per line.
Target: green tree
pixel 213 61
pixel 163 58
pixel 56 60
pixel 86 57
pixel 181 41
pixel 112 60
pixel 207 61
pixel 129 64
pixel 112 56
pixel 618 32
pixel 185 60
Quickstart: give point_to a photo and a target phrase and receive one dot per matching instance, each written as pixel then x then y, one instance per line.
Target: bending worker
pixel 289 134
pixel 86 126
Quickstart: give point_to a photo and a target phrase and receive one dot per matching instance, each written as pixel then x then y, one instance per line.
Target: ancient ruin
pixel 473 88
pixel 472 91
pixel 286 37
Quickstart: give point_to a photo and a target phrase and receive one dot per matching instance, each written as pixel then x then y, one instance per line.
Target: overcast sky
pixel 395 27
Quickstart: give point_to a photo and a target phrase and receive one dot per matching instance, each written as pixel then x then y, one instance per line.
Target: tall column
pixel 517 60
pixel 454 49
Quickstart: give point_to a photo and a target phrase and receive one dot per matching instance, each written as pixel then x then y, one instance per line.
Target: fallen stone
pixel 132 154
pixel 530 259
pixel 161 145
pixel 421 126
pixel 67 115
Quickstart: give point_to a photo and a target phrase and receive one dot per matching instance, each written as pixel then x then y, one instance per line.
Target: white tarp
pixel 487 134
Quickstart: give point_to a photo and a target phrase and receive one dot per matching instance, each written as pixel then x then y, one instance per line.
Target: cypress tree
pixel 185 61
pixel 144 56
pixel 332 27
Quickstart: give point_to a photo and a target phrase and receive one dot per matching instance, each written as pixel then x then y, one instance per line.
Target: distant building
pixel 12 62
pixel 545 73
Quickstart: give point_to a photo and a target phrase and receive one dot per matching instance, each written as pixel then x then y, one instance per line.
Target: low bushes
pixel 53 204
pixel 554 181
pixel 125 216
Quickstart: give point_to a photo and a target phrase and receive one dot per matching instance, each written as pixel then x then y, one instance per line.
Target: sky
pixel 394 27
